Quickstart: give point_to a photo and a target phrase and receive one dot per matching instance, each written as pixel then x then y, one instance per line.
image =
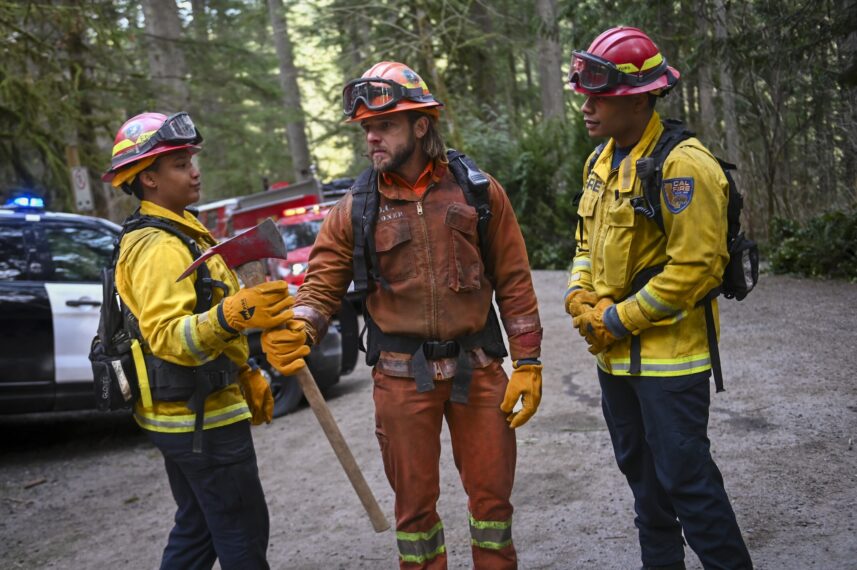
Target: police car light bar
pixel 25 202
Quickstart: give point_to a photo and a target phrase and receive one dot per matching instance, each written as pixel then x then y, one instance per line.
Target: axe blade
pixel 256 244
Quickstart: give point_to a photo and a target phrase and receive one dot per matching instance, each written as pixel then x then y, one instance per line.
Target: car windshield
pixel 300 235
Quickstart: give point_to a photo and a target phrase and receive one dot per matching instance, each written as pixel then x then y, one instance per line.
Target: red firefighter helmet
pixel 151 134
pixel 621 61
pixel 387 87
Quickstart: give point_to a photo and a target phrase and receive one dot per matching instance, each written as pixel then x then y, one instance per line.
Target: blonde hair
pixel 432 142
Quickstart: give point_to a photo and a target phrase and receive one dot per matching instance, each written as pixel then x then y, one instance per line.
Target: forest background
pixel 770 85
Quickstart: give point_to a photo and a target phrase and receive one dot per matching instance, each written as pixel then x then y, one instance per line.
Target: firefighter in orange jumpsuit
pixel 407 233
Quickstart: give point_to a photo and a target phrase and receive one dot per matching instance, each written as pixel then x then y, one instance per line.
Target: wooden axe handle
pixel 252 274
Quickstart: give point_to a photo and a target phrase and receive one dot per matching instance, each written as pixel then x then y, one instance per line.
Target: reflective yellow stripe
pixel 142 374
pixel 185 422
pixel 418 547
pixel 653 61
pixel 491 535
pixel 663 367
pixel 125 143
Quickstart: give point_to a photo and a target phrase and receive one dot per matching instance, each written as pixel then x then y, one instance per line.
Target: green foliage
pixel 541 171
pixel 825 246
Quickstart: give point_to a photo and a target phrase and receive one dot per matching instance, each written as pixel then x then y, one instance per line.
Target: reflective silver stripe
pixel 665 368
pixel 662 309
pixel 492 535
pixel 418 547
pixel 198 353
pixel 581 264
pixel 164 422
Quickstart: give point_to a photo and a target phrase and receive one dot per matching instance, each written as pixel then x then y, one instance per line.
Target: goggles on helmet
pixel 177 129
pixel 378 94
pixel 597 75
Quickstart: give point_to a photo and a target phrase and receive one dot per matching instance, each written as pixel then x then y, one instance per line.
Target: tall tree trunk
pixel 166 56
pixel 707 125
pixel 550 66
pixel 295 125
pixel 437 85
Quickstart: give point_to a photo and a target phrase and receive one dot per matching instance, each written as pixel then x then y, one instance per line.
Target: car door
pixel 26 329
pixel 77 252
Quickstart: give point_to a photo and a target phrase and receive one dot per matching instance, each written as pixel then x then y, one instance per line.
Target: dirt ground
pixel 782 434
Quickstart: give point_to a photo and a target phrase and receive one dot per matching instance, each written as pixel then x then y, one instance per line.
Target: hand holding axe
pixel 244 254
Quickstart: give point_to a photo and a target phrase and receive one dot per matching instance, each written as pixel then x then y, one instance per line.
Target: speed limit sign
pixel 81 188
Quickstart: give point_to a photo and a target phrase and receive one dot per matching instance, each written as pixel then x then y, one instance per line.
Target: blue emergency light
pixel 26 201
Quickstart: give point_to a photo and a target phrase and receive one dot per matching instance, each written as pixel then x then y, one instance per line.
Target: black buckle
pixel 435 350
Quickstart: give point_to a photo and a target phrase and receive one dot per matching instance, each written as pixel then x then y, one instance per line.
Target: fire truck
pixel 225 218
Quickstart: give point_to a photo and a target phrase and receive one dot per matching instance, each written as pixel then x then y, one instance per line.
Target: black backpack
pixel 742 270
pixel 112 350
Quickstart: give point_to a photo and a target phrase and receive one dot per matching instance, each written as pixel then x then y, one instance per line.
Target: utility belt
pixel 169 382
pixel 466 352
pixel 635 366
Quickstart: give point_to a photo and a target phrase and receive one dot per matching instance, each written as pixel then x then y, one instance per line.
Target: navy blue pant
pixel 221 507
pixel 659 430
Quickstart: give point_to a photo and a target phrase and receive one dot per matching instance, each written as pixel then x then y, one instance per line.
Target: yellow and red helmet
pixel 148 135
pixel 621 61
pixel 387 87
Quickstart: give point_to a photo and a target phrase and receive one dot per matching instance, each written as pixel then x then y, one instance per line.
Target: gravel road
pixel 87 491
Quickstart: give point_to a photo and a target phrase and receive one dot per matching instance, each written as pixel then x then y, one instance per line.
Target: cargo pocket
pixel 465 262
pixel 617 243
pixel 395 259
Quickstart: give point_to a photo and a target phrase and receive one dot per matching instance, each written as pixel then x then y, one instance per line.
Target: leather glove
pixel 580 300
pixel 525 383
pixel 286 346
pixel 260 307
pixel 591 326
pixel 257 392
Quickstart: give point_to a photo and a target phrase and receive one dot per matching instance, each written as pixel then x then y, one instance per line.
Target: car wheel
pixel 285 389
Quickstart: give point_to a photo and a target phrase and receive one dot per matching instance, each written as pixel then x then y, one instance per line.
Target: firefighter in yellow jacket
pixel 198 391
pixel 635 291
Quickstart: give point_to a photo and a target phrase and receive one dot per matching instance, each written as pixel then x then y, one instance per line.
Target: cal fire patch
pixel 678 192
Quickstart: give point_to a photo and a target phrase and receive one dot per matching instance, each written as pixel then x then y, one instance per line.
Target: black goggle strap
pixel 366 89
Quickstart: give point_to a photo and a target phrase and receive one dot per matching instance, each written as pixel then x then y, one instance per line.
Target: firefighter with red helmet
pixel 637 292
pixel 198 392
pixel 431 241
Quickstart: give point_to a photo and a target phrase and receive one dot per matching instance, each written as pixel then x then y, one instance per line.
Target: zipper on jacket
pixel 433 320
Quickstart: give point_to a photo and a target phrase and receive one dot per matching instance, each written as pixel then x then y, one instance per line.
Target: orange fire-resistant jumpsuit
pixel 439 287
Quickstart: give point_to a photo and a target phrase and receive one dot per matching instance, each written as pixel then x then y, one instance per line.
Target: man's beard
pixel 399 158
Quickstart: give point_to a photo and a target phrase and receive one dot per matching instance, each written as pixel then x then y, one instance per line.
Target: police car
pixel 50 300
pixel 50 303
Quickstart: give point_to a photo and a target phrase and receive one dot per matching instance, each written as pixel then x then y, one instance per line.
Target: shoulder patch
pixel 678 192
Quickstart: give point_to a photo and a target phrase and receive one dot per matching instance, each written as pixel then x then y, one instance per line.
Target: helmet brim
pixel 110 174
pixel 363 112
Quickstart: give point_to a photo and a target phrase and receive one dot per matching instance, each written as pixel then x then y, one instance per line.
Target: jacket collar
pixel 394 187
pixel 187 223
pixel 628 166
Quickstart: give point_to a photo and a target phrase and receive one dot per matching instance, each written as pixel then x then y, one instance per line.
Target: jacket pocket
pixel 395 258
pixel 465 261
pixel 617 243
pixel 587 204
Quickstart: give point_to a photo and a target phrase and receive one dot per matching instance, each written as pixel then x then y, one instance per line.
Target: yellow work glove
pixel 580 300
pixel 257 392
pixel 525 383
pixel 286 346
pixel 592 327
pixel 261 307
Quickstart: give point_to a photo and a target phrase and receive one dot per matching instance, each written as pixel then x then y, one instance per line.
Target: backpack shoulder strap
pixel 474 183
pixel 650 169
pixel 204 283
pixel 364 213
